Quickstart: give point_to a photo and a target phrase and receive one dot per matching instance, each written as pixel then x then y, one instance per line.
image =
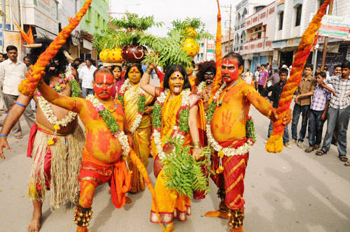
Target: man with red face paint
pixel 102 154
pixel 229 135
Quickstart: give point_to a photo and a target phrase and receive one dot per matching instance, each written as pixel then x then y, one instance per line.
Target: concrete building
pixel 206 51
pixel 292 19
pixel 95 21
pixel 260 29
pixel 244 9
pixel 68 8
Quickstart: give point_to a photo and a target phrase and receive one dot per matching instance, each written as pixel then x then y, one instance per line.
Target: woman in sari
pixel 175 98
pixel 137 109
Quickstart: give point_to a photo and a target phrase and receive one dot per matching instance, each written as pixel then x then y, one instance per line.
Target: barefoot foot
pixel 217 213
pixel 127 200
pixel 169 227
pixel 34 225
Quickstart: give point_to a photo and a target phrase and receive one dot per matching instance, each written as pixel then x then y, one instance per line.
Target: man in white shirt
pixel 12 73
pixel 256 76
pixel 87 75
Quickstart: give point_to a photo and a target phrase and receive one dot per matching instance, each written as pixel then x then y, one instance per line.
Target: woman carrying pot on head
pixel 177 113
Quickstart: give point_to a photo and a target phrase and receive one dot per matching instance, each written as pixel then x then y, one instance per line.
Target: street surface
pixel 290 191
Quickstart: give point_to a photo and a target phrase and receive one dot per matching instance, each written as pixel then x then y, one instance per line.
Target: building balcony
pixel 257 46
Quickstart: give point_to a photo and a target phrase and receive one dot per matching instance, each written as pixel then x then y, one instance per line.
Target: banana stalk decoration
pixel 28 86
pixel 275 143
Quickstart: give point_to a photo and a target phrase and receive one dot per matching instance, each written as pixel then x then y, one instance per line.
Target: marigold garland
pixel 275 143
pixel 28 85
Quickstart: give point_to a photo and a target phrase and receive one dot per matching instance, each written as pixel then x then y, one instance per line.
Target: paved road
pixel 291 191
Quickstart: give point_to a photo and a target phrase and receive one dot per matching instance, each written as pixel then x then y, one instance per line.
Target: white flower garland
pixel 49 115
pixel 201 86
pixel 139 91
pixel 221 150
pixel 123 139
pixel 156 131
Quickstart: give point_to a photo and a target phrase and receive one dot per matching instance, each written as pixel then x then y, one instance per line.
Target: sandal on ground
pixel 317 146
pixel 347 164
pixel 310 149
pixel 321 152
pixel 343 158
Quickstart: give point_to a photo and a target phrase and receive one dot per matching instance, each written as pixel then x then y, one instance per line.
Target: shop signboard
pixel 335 26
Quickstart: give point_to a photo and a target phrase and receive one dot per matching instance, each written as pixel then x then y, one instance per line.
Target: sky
pixel 168 10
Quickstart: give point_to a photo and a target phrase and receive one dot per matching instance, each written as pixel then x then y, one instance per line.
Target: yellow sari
pixel 140 138
pixel 169 203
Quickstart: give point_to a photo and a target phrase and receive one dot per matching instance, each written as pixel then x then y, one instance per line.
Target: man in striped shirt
pixel 338 113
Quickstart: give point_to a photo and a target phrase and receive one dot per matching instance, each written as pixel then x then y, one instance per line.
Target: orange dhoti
pixel 170 204
pixel 97 173
pixel 232 178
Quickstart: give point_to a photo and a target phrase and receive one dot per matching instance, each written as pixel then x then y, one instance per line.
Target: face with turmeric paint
pixel 230 70
pixel 134 75
pixel 176 82
pixel 103 85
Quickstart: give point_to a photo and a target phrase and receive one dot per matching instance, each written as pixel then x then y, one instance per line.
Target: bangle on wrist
pixel 148 70
pixel 197 144
pixel 2 135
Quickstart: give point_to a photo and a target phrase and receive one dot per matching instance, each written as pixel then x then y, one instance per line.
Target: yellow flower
pixel 221 154
pixel 50 142
pixel 56 127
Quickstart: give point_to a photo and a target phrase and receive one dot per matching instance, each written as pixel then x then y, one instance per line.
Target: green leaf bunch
pixel 75 88
pixel 156 115
pixel 141 102
pixel 132 21
pixel 110 121
pixel 250 129
pixel 196 23
pixel 166 51
pixel 211 110
pixel 182 172
pixel 121 99
pixel 183 119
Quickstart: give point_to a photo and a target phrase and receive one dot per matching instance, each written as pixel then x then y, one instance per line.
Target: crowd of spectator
pixel 320 99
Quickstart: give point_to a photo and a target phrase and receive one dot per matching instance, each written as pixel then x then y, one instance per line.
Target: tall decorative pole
pixel 275 143
pixel 28 86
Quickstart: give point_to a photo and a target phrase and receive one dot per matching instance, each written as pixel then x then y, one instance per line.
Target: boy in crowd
pixel 302 105
pixel 256 76
pixel 275 98
pixel 338 113
pixel 263 75
pixel 318 112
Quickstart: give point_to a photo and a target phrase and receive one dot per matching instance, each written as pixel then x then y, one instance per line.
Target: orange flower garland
pixel 275 143
pixel 28 86
pixel 218 54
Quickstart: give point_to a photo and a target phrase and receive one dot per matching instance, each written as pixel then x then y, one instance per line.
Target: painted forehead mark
pixel 104 79
pixel 176 74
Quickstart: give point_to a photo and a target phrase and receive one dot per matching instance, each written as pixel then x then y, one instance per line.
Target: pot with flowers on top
pixel 121 42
